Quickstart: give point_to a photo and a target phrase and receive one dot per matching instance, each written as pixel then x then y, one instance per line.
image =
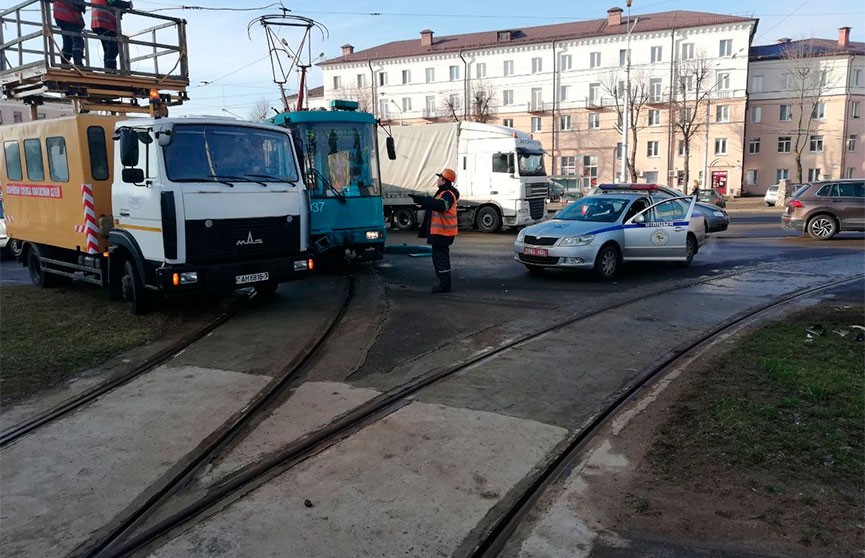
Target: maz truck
pixel 156 206
pixel 500 173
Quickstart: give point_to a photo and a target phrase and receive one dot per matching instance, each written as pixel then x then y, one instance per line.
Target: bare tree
pixel 482 101
pixel 808 82
pixel 361 94
pixel 690 94
pixel 451 107
pixel 639 97
pixel 259 111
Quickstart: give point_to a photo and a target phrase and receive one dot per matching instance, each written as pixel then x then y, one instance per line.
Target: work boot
pixel 444 285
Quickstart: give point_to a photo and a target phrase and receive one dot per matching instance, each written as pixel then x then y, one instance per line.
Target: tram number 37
pixel 317 207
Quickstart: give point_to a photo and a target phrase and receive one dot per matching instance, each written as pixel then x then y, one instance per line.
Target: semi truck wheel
pixel 133 289
pixel 404 219
pixel 488 219
pixel 38 275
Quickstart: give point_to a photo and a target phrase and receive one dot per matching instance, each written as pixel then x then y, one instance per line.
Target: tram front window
pixel 339 159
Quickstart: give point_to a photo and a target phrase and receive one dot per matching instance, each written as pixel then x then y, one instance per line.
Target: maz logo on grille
pixel 249 240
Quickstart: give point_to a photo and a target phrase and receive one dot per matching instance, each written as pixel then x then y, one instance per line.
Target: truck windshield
pixel 339 158
pixel 224 151
pixel 531 164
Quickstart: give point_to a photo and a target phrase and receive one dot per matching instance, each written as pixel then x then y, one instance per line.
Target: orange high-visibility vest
pixel 444 224
pixel 68 12
pixel 102 17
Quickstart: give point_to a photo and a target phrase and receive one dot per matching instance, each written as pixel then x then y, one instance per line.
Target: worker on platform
pixel 104 15
pixel 69 17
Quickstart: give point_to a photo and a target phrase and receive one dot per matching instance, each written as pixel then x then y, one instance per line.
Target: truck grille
pixel 536 208
pixel 237 240
pixel 537 190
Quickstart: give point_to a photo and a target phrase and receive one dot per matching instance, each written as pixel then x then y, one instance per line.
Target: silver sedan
pixel 601 232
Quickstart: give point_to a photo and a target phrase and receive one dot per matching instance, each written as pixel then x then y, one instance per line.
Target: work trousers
pixel 73 43
pixel 441 257
pixel 109 47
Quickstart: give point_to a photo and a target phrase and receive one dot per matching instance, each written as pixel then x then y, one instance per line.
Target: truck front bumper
pixel 230 276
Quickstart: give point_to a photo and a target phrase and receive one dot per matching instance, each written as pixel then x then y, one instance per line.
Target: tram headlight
pixel 373 235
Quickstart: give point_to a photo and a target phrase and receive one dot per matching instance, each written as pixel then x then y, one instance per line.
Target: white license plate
pixel 251 278
pixel 535 251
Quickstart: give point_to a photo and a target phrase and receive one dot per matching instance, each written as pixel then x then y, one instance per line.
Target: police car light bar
pixel 629 187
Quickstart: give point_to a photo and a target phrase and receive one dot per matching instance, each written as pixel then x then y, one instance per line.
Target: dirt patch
pixel 688 479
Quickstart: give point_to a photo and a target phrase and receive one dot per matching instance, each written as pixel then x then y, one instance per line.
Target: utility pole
pixel 626 110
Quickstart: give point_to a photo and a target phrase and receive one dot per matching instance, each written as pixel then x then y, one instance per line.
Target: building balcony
pixel 599 102
pixel 539 106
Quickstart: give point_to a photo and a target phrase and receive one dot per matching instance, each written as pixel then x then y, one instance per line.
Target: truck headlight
pixel 583 240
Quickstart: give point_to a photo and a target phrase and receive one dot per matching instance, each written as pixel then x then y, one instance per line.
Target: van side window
pixel 98 153
pixel 58 165
pixel 13 160
pixel 33 159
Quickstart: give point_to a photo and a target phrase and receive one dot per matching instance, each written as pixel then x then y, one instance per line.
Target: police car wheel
pixel 607 263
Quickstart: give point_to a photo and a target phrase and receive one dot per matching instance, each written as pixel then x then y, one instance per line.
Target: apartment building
pixel 805 98
pixel 16 111
pixel 566 84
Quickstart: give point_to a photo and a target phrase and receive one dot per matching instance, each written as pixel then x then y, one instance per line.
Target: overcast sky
pixel 230 68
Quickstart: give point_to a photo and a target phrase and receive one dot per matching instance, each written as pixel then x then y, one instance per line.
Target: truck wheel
pixel 15 247
pixel 404 219
pixel 133 289
pixel 488 219
pixel 38 275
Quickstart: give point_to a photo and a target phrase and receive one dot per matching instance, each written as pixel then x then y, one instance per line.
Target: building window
pixel 751 177
pixel 857 77
pixel 406 77
pixel 815 144
pixel 337 82
pixel 406 104
pixel 382 78
pixel 680 148
pixel 537 65
pixel 653 149
pixel 756 114
pixel 787 80
pixel 782 174
pixel 685 115
pixel 508 122
pixel 454 73
pixel 725 48
pixel 565 123
pixel 565 62
pixel 813 175
pixel 623 57
pixel 851 142
pixel 594 59
pixel 454 101
pixel 481 71
pixel 756 84
pixel 508 68
pixel 382 108
pixel 361 80
pixel 654 118
pixel 655 90
pixel 17 116
pixel 784 144
pixel 854 109
pixel 430 105
pixel 568 165
pixel 537 98
pixel 754 146
pixel 850 172
pixel 619 150
pixel 722 113
pixel 594 121
pixel 430 75
pixel 723 81
pixel 657 54
pixel 508 97
pixel 565 93
pixel 785 113
pixel 536 124
pixel 819 111
pixel 686 83
pixel 721 146
pixel 687 51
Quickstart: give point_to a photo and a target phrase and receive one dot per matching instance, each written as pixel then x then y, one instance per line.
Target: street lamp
pixel 626 109
pixel 232 114
pixel 399 109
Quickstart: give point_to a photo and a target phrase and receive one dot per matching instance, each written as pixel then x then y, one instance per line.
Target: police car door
pixel 659 232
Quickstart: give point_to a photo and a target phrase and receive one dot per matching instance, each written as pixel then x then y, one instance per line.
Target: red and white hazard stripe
pixel 90 228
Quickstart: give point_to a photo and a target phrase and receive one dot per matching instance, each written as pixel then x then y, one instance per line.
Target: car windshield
pixel 604 209
pixel 200 152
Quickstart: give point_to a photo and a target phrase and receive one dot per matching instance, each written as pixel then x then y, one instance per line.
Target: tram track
pixel 257 474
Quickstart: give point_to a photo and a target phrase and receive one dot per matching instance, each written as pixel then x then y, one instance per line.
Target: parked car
pixel 601 232
pixel 555 191
pixel 823 209
pixel 715 218
pixel 771 197
pixel 711 196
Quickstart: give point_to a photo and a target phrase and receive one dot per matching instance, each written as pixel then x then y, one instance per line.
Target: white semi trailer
pixel 500 173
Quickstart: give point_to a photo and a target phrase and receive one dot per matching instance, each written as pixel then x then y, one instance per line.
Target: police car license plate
pixel 251 278
pixel 535 251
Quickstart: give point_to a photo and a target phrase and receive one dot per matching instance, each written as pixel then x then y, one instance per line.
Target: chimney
pixel 844 37
pixel 347 49
pixel 426 39
pixel 614 17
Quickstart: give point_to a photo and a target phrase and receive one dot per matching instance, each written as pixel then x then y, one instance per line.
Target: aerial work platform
pixel 152 55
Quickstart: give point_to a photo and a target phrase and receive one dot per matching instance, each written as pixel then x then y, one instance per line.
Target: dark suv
pixel 823 209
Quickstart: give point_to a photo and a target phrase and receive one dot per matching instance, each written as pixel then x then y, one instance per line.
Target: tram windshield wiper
pixel 340 196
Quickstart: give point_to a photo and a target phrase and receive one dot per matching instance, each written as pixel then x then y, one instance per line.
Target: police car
pixel 601 232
